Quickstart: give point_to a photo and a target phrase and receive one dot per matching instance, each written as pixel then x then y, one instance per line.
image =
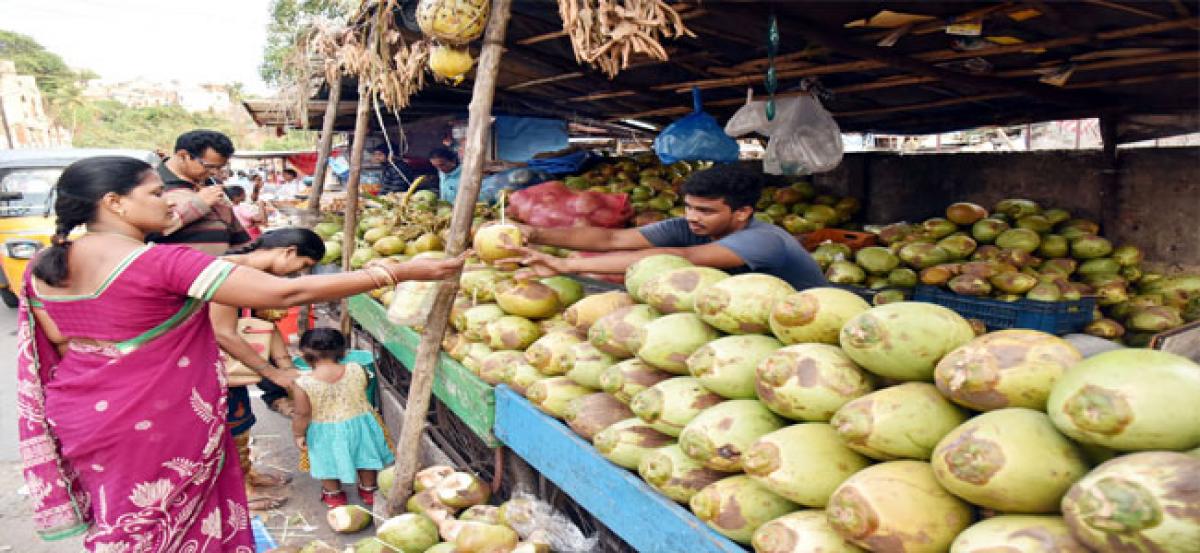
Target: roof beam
pixel 940 55
pixel 1127 9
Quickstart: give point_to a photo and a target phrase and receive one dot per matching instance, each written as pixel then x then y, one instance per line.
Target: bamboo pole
pixel 408 446
pixel 326 145
pixel 350 230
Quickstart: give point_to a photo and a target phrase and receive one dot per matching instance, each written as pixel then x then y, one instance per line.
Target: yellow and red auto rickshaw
pixel 27 179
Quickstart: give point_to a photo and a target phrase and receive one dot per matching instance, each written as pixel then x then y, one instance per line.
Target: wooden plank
pixel 464 393
pixel 642 517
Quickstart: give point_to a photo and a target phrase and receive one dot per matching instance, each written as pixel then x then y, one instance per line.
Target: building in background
pixel 142 93
pixel 23 119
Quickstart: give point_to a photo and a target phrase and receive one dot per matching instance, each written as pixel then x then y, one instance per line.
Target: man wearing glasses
pixel 204 216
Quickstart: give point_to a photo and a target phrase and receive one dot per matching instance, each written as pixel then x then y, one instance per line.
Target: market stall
pixel 715 412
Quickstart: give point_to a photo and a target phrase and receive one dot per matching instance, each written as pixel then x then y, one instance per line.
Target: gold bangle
pixel 370 272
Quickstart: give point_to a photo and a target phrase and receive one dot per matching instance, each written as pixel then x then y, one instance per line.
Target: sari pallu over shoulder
pixel 132 502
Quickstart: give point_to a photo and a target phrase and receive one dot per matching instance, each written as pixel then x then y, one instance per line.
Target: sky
pixel 197 41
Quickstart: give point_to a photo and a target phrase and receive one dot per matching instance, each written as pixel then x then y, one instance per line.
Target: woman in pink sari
pixel 121 394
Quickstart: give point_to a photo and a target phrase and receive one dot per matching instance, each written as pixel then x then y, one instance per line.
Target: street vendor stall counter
pixel 642 517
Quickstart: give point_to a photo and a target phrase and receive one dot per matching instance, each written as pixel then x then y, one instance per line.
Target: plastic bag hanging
pixel 695 137
pixel 750 118
pixel 804 138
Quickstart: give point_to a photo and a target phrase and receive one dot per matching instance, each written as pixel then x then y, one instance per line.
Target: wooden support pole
pixel 324 148
pixel 350 230
pixel 479 122
pixel 1110 176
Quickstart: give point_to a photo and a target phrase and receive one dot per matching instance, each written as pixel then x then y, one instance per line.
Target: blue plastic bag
pixel 696 137
pixel 512 180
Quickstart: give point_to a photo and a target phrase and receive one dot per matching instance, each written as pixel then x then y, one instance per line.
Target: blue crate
pixel 1061 317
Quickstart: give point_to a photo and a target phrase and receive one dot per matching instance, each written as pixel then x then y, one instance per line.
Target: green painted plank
pixel 464 393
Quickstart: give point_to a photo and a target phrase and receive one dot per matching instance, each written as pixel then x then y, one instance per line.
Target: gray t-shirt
pixel 764 248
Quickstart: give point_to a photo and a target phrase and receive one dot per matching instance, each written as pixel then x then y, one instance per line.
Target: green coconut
pixel 876 260
pixel 904 421
pixel 1130 400
pixel 1128 256
pixel 527 298
pixel 904 340
pixel 588 310
pixel 845 272
pixel 348 519
pixel 938 227
pixel 1007 368
pixel 668 341
pixel 480 537
pixel 1019 239
pixel 1018 533
pixel 475 355
pixel 1090 247
pixel 831 251
pixel 742 304
pixel 553 395
pixel 474 321
pixel 675 291
pixel 626 442
pixel 800 532
pixel 815 315
pixel 647 268
pixel 550 352
pixel 965 213
pixel 670 471
pixel 1037 223
pixel 902 277
pixel 588 415
pixel 568 289
pixel 511 333
pixel 897 506
pixel 809 382
pixel 923 255
pixel 737 505
pixel 496 365
pixel 586 364
pixel 670 405
pixel 629 377
pixel 985 231
pixel 617 332
pixel 1054 246
pixel 1010 460
pixel 1017 208
pixel 719 436
pixel 803 463
pixel 409 533
pixel 960 246
pixel 520 376
pixel 460 490
pixel 726 365
pixel 1142 503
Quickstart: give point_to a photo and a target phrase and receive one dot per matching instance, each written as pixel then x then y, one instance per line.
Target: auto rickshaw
pixel 27 179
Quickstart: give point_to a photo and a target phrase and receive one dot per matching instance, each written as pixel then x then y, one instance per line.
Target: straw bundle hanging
pixel 606 33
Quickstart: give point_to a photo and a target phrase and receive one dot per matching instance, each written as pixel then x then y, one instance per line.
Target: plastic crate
pixel 1062 317
pixel 856 240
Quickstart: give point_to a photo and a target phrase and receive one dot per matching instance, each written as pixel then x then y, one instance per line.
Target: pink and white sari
pixel 124 435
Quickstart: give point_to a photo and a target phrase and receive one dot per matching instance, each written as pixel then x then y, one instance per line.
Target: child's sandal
pixel 367 494
pixel 334 499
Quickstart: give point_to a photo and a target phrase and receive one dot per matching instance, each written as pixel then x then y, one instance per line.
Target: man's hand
pixel 537 264
pixel 212 195
pixel 301 443
pixel 528 232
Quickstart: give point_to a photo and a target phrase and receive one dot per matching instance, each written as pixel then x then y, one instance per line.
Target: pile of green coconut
pixel 1019 250
pixel 449 514
pixel 804 421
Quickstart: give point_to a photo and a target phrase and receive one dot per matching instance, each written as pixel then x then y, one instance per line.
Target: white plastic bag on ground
pixel 529 516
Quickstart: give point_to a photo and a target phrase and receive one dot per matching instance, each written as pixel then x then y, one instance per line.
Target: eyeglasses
pixel 210 166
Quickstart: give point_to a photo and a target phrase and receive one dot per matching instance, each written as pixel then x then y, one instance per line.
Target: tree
pixel 58 83
pixel 290 18
pixel 110 124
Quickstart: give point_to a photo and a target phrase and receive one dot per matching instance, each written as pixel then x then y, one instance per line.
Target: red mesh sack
pixel 551 204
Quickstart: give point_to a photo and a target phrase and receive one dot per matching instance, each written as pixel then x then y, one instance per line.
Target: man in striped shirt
pixel 204 216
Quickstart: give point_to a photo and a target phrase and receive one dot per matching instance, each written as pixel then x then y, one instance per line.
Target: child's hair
pixel 322 344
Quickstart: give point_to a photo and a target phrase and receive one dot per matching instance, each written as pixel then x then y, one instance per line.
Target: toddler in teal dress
pixel 334 424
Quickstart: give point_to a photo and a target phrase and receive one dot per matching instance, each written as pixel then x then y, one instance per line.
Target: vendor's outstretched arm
pixel 707 255
pixel 594 239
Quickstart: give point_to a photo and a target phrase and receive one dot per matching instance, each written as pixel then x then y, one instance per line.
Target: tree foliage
pixel 110 124
pixel 289 18
pixel 58 83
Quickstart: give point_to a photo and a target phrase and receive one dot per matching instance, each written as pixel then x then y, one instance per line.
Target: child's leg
pixel 366 478
pixel 331 486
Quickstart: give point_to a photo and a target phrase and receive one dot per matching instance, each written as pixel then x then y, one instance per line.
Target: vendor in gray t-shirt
pixel 719 230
